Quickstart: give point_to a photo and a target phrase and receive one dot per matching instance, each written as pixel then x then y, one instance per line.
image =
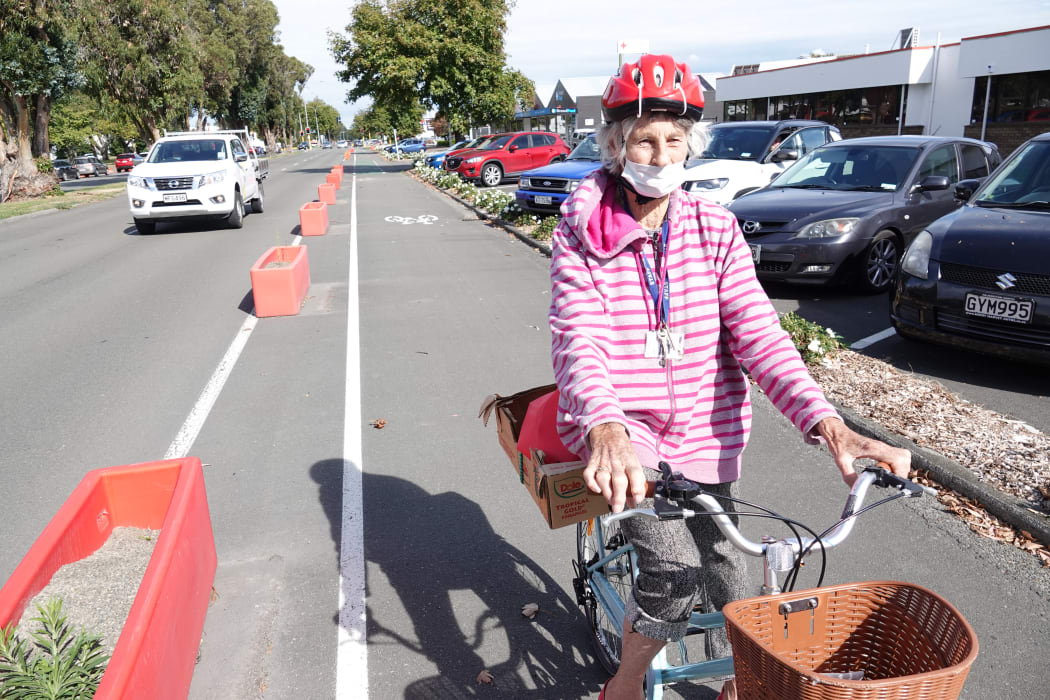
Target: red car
pixel 127 161
pixel 508 155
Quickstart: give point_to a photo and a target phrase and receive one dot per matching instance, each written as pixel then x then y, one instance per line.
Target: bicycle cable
pixel 805 552
pixel 789 522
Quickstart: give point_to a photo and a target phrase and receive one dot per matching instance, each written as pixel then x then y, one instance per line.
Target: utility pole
pixel 316 125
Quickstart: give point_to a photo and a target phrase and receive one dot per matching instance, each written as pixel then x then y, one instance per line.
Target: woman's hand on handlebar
pixel 613 469
pixel 848 446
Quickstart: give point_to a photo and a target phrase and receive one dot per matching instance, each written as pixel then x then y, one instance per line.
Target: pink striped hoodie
pixel 695 413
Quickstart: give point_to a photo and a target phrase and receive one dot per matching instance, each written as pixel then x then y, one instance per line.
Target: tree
pixel 287 75
pixel 37 65
pixel 447 54
pixel 142 55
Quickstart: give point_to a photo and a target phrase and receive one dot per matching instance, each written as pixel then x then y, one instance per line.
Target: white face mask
pixel 653 180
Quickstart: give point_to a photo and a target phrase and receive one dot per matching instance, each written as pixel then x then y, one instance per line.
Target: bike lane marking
pixel 191 427
pixel 351 671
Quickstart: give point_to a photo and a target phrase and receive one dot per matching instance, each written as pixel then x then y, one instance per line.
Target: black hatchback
pixel 979 278
pixel 844 212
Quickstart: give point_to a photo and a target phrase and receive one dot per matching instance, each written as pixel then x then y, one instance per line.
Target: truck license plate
pixel 174 198
pixel 1000 307
pixel 544 199
pixel 756 253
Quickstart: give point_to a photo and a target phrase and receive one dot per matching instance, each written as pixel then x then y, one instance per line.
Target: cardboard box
pixel 557 489
pixel 560 492
pixel 510 413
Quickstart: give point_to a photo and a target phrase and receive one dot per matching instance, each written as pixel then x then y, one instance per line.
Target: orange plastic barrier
pixel 326 193
pixel 156 652
pixel 334 179
pixel 280 279
pixel 313 219
pixel 337 169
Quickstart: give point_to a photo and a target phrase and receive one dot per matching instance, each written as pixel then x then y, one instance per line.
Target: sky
pixel 551 39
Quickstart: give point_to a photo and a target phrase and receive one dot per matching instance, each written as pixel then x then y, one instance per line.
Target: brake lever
pixel 885 479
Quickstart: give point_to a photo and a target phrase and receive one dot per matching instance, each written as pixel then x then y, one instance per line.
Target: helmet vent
pixel 637 77
pixel 658 75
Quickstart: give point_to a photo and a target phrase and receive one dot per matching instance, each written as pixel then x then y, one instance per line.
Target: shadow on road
pixel 435 549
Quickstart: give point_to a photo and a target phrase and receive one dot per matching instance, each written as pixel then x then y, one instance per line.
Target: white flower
pixel 832 334
pixel 814 346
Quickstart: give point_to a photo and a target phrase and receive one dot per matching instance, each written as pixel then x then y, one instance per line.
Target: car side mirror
pixel 964 189
pixel 241 157
pixel 932 183
pixel 782 155
pixel 512 148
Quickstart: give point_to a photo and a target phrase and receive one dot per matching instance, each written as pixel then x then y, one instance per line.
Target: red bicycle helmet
pixel 654 84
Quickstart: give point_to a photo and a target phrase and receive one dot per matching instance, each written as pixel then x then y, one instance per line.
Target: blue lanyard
pixel 664 304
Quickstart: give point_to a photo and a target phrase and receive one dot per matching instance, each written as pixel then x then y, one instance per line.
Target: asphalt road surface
pixel 416 311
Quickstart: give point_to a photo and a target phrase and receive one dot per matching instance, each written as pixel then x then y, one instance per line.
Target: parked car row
pixel 959 237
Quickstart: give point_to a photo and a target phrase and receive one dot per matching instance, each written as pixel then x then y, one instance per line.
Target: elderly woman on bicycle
pixel 655 314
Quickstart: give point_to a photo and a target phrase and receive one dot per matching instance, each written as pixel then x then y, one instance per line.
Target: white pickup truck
pixel 191 175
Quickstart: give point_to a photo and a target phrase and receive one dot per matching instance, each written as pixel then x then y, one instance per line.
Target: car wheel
pixel 879 263
pixel 145 227
pixel 257 203
pixel 491 174
pixel 236 218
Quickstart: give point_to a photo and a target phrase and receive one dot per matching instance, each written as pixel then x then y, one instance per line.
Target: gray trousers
pixel 682 563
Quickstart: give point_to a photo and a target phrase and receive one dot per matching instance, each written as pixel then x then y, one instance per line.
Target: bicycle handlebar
pixel 685 491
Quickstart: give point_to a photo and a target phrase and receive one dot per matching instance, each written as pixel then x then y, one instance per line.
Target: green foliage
pixel 144 56
pixel 377 120
pixel 447 54
pixel 546 228
pixel 56 665
pixel 38 54
pixel 55 191
pixel 812 340
pixel 43 165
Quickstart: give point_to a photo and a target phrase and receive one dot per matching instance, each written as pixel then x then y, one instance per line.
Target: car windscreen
pixel 1023 183
pixel 586 150
pixel 738 142
pixel 126 155
pixel 198 149
pixel 61 163
pixel 497 143
pixel 851 168
pixel 83 160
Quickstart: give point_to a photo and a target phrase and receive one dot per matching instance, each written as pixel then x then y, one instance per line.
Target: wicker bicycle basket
pixel 910 643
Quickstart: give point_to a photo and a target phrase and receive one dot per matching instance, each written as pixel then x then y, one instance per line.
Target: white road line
pixel 351 670
pixel 872 339
pixel 191 428
pixel 182 443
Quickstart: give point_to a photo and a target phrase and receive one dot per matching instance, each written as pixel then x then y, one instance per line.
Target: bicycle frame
pixel 660 671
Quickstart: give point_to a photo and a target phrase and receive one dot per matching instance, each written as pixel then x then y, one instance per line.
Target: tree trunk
pixel 19 178
pixel 151 125
pixel 41 126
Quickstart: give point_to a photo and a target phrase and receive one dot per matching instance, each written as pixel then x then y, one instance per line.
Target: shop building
pixel 913 89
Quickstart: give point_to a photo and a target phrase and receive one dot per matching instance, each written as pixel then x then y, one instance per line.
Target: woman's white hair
pixel 612 138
